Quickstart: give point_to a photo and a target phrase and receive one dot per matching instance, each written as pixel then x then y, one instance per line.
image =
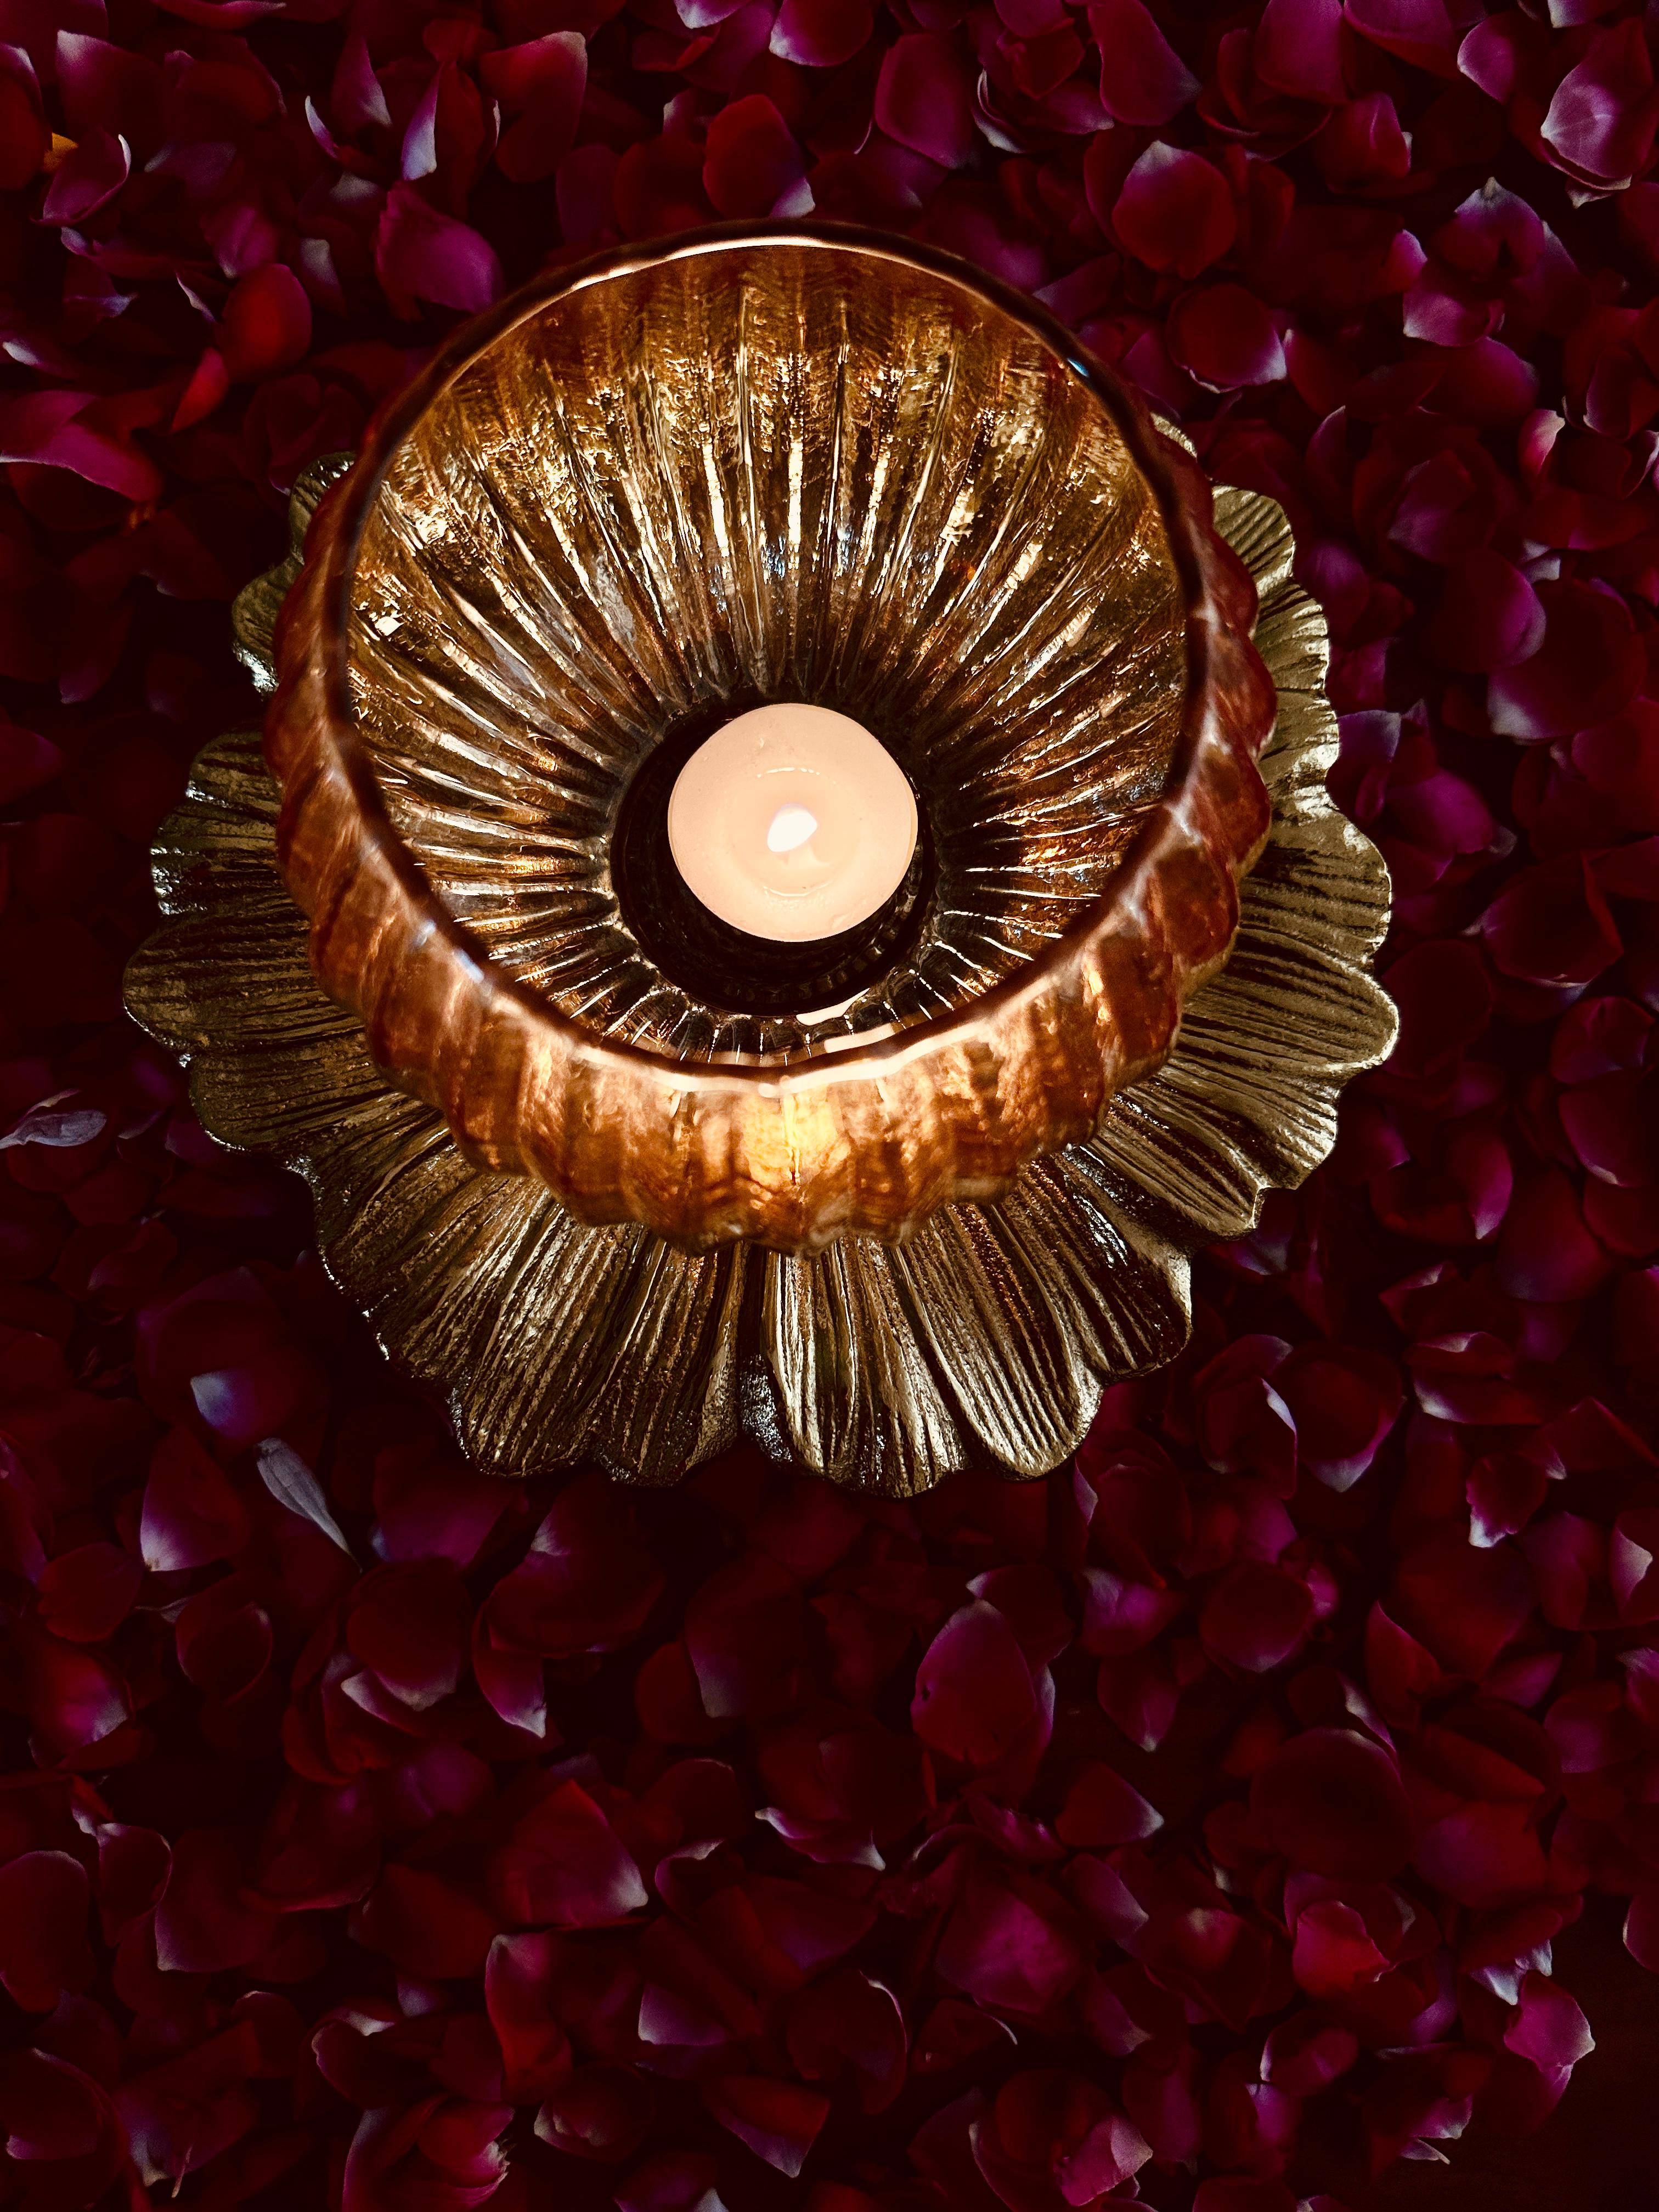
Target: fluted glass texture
pixel 647 496
pixel 670 492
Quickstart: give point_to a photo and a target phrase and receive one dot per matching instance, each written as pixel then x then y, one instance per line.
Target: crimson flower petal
pixel 562 1864
pixel 421 254
pixel 924 98
pixel 43 1918
pixel 1142 79
pixel 821 34
pixel 974 1692
pixel 752 162
pixel 778 2120
pixel 1330 1801
pixel 1226 337
pixel 1175 211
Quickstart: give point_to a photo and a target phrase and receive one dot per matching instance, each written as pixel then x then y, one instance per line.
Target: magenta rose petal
pixel 1013 1946
pixel 1548 2026
pixel 562 1864
pixel 43 1920
pixel 1333 1803
pixel 752 161
pixel 1175 211
pixel 1142 79
pixel 974 1692
pixel 421 254
pixel 1601 119
pixel 821 34
pixel 1226 337
pixel 1418 31
pixel 540 85
pixel 1297 49
pixel 779 2121
pixel 924 98
pixel 88 178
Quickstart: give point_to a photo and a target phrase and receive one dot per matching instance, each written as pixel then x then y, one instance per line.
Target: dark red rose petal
pixel 43 1920
pixel 208 1918
pixel 1175 211
pixel 1333 1803
pixel 421 253
pixel 1588 668
pixel 540 85
pixel 1226 337
pixel 778 2120
pixel 821 34
pixel 1550 925
pixel 1256 1616
pixel 1489 615
pixel 752 162
pixel 1142 79
pixel 613 1798
pixel 924 98
pixel 1418 31
pixel 1100 1810
pixel 562 1864
pixel 410 1623
pixel 426 1925
pixel 267 323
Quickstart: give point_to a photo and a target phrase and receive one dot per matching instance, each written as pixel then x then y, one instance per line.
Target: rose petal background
pixel 1255 1814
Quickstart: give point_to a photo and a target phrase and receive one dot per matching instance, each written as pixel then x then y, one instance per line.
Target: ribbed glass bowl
pixel 671 486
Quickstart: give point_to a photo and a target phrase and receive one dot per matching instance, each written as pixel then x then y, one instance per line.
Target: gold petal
pixel 984 1324
pixel 989 1331
pixel 1115 1294
pixel 1258 531
pixel 856 1399
pixel 571 1340
pixel 236 975
pixel 575 1342
pixel 254 610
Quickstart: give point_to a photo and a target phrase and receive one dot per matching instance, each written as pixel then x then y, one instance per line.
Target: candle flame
pixel 791 827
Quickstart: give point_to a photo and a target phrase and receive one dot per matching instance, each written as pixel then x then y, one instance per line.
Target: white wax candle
pixel 792 823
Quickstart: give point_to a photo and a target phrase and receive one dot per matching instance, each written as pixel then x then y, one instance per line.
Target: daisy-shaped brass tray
pixel 603 1204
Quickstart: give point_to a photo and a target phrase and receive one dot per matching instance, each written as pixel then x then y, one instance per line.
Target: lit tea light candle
pixel 792 823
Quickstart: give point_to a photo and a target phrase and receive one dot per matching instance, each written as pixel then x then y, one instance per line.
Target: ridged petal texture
pixel 985 1340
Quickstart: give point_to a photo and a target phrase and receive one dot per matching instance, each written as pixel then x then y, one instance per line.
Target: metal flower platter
pixel 610 1188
